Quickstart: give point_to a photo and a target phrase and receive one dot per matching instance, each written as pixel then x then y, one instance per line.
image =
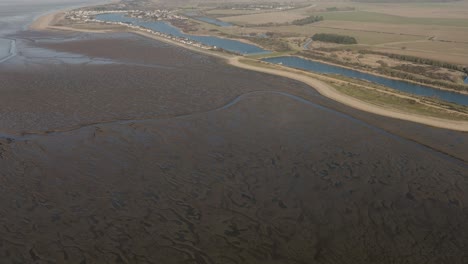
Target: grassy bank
pixel 400 103
pixel 379 95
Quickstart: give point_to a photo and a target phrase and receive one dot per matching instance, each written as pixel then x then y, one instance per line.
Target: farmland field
pixel 430 30
pixel 374 17
pixel 275 17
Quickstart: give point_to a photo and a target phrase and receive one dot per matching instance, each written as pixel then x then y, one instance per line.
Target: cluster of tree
pixel 327 49
pixel 415 59
pixel 307 20
pixel 332 58
pixel 271 43
pixel 334 38
pixel 247 6
pixel 424 71
pixel 269 24
pixel 298 22
pixel 409 76
pixel 335 9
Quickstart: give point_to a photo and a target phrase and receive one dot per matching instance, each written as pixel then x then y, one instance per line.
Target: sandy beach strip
pixel 45 22
pixel 328 91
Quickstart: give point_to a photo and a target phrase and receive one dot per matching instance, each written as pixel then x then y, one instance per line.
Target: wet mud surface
pixel 166 156
pixel 152 80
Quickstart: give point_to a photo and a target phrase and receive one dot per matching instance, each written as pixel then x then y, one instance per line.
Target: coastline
pixel 378 74
pixel 46 20
pixel 330 92
pixel 44 23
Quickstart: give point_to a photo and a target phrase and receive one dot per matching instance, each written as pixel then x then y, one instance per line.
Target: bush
pixel 382 63
pixel 385 71
pixel 415 59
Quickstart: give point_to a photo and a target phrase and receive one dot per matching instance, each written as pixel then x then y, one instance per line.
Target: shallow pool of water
pixel 5 48
pixel 403 86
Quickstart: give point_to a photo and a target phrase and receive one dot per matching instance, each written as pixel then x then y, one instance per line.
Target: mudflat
pixel 164 155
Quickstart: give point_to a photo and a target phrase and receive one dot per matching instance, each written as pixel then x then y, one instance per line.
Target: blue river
pixel 421 90
pixel 166 28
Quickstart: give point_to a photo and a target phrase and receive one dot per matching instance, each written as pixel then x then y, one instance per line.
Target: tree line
pixel 415 59
pixel 307 20
pixel 385 71
pixel 298 22
pixel 334 38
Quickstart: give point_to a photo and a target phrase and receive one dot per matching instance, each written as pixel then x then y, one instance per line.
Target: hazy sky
pixel 43 2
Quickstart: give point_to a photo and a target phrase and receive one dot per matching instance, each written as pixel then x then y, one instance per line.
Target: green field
pixel 409 105
pixel 364 16
pixel 366 38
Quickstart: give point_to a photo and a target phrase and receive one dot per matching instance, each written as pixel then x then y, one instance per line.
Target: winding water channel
pixel 407 87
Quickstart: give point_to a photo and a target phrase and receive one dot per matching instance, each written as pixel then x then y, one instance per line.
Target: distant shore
pixel 46 23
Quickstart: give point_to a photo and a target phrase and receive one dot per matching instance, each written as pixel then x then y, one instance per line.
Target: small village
pixel 84 16
pixel 88 15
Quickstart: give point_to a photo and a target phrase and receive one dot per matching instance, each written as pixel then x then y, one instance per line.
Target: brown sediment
pixel 218 165
pixel 149 80
pixel 250 183
pixel 328 91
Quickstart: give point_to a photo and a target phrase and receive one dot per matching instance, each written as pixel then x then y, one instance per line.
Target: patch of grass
pixel 380 95
pixel 367 38
pixel 409 105
pixel 270 43
pixel 270 55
